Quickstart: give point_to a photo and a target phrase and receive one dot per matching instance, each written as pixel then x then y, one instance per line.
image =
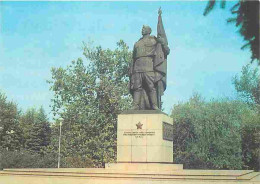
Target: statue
pixel 149 68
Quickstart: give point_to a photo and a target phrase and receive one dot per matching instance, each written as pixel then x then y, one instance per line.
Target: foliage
pixel 251 140
pixel 207 134
pixel 17 131
pixel 77 162
pixel 10 131
pixel 247 19
pixel 248 85
pixel 27 121
pixel 248 88
pixel 89 98
pixel 211 4
pixel 25 159
pixel 36 129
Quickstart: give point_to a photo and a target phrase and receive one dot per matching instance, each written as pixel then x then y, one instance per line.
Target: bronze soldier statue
pixel 149 68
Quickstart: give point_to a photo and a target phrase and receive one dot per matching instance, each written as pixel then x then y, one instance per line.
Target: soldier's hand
pixel 160 11
pixel 160 40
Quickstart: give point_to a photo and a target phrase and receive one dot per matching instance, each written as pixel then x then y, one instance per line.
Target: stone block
pixel 124 153
pixel 139 154
pixel 142 135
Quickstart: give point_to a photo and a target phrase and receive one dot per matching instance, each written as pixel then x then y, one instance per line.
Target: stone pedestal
pixel 144 136
pixel 143 167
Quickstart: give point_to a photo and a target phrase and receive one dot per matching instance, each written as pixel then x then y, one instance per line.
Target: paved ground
pixel 105 176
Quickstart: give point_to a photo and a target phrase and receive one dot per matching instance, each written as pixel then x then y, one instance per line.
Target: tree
pixel 39 135
pixel 247 19
pixel 251 140
pixel 44 128
pixel 36 129
pixel 208 134
pixel 27 121
pixel 248 85
pixel 248 88
pixel 16 129
pixel 10 131
pixel 89 98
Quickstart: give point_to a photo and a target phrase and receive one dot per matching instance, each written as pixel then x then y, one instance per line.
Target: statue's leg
pixel 137 99
pixel 145 103
pixel 149 80
pixel 137 95
pixel 153 99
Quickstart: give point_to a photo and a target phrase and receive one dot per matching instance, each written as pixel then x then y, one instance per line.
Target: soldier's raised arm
pixel 164 44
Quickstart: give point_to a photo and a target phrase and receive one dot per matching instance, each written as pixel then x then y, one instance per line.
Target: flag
pixel 160 28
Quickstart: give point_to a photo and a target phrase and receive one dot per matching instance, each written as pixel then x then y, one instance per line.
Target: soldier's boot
pixel 136 99
pixel 153 100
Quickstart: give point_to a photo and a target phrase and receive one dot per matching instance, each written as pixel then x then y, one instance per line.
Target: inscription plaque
pixel 138 134
pixel 167 131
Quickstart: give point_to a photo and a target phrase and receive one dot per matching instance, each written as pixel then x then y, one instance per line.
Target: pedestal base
pixel 145 136
pixel 108 176
pixel 143 167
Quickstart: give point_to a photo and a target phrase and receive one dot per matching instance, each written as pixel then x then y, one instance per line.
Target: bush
pixel 207 135
pixel 251 141
pixel 77 162
pixel 26 159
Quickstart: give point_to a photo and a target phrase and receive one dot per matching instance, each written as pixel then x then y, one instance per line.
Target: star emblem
pixel 139 125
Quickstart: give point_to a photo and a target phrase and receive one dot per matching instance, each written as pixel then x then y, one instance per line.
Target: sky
pixel 36 36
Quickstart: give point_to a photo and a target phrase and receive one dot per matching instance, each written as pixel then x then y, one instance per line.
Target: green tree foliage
pixel 248 88
pixel 251 140
pixel 27 121
pixel 18 131
pixel 44 128
pixel 208 134
pixel 248 85
pixel 37 130
pixel 247 19
pixel 10 131
pixel 26 159
pixel 89 98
